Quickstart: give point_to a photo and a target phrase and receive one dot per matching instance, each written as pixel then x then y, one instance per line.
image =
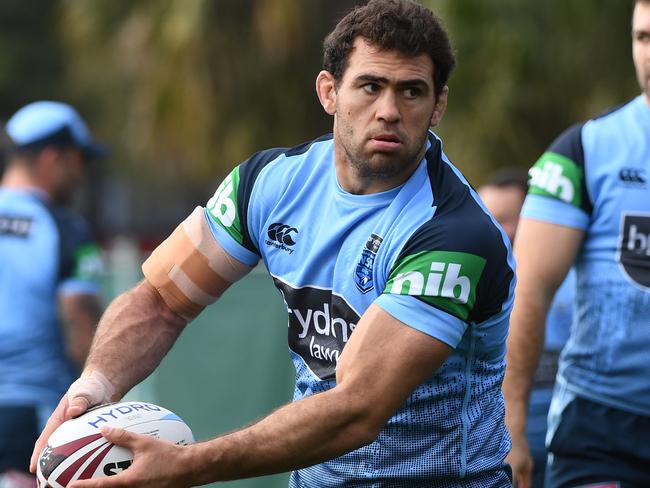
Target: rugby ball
pixel 76 450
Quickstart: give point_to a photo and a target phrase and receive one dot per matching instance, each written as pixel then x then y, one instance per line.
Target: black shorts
pixel 18 434
pixel 600 446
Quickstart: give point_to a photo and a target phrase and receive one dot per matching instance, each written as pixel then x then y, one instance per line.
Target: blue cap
pixel 41 124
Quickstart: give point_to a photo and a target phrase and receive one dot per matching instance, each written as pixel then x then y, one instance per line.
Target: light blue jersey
pixel 44 251
pixel 426 252
pixel 594 177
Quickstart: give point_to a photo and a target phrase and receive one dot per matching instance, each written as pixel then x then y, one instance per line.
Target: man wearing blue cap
pixel 49 276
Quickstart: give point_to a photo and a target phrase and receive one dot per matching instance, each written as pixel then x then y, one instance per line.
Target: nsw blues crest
pixel 363 276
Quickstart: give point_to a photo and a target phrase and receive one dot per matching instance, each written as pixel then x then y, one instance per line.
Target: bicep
pixel 385 360
pixel 544 253
pixel 190 269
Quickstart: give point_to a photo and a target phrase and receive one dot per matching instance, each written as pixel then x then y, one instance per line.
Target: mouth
pixel 386 137
pixel 386 142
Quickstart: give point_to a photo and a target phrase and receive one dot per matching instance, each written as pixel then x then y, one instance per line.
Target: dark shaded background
pixel 182 90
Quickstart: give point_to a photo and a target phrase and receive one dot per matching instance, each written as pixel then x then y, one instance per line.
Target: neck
pixel 20 177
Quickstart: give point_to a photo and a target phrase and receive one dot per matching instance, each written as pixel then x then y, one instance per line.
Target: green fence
pixel 229 367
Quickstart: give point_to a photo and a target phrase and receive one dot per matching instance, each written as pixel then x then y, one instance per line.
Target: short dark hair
pixel 401 25
pixel 509 176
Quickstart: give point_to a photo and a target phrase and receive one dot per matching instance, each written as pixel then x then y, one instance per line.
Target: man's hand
pixel 156 463
pixel 521 462
pixel 89 390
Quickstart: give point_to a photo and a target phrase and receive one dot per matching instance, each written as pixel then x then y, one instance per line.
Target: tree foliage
pixel 185 89
pixel 528 70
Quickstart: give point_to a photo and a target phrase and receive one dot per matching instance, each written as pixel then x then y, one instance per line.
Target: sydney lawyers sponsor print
pixel 320 324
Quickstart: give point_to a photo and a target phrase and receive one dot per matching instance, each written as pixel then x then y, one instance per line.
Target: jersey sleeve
pixel 454 271
pixel 81 269
pixel 557 186
pixel 230 210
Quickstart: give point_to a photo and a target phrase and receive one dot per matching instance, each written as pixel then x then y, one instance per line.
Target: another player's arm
pixel 537 281
pixel 381 365
pixel 79 316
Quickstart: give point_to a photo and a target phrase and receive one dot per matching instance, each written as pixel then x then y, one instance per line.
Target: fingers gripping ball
pixel 76 449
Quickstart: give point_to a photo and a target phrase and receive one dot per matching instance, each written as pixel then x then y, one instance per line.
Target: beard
pixel 378 164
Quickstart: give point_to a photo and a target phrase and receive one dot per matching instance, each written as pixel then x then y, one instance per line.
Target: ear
pixel 441 106
pixel 326 91
pixel 48 157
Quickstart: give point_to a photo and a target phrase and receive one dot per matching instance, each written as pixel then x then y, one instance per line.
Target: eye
pixel 412 92
pixel 371 88
pixel 641 36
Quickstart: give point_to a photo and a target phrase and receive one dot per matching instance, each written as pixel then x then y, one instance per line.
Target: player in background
pixel 504 195
pixel 49 288
pixel 398 287
pixel 589 206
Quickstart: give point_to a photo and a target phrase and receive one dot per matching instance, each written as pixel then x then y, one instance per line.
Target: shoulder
pixel 260 160
pixel 70 224
pixel 461 254
pixel 460 220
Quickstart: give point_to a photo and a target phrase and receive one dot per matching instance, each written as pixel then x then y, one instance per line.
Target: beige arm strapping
pixel 190 269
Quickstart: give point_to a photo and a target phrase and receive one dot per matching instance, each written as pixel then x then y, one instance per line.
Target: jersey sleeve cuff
pixel 553 211
pixel 79 287
pixel 423 317
pixel 231 246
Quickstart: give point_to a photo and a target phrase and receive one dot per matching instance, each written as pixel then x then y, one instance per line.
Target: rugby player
pixel 49 277
pixel 589 206
pixel 398 286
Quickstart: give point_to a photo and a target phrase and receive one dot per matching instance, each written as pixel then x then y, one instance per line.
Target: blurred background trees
pixel 182 90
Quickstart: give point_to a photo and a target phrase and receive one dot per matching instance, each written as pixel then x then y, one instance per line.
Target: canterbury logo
pixel 632 175
pixel 281 233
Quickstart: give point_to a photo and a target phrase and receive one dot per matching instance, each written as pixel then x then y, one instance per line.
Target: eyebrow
pixel 419 82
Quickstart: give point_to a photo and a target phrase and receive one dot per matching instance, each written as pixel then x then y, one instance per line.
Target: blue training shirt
pixel 426 252
pixel 45 251
pixel 594 178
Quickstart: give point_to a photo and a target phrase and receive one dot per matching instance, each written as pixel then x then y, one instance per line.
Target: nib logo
pixel 281 236
pixel 445 279
pixel 634 252
pixel 441 282
pixel 550 178
pixel 556 176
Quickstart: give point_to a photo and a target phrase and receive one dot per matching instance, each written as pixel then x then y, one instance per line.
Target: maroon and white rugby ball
pixel 77 450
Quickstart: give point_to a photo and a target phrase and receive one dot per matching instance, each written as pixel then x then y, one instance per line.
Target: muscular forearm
pixel 133 336
pixel 374 377
pixel 297 435
pixel 538 277
pixel 525 344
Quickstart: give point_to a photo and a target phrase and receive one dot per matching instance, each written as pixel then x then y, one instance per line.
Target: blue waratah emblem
pixel 363 276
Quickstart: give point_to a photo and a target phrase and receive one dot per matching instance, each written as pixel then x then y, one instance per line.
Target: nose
pixel 387 107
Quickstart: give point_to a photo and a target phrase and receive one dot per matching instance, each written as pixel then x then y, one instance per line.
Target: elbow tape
pixel 190 269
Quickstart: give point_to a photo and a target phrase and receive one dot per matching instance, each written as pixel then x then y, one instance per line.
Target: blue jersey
pixel 594 178
pixel 560 315
pixel 426 252
pixel 45 251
